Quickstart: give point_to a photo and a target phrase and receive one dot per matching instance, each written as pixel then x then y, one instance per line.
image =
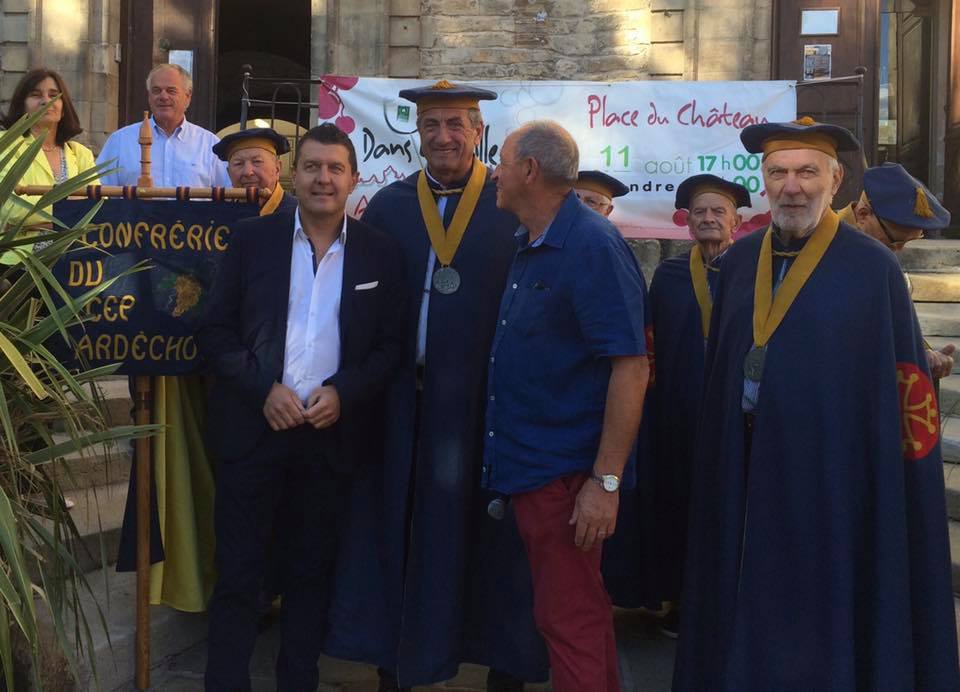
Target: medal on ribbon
pixel 769 310
pixel 445 242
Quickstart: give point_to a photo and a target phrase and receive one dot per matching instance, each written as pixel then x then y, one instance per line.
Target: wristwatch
pixel 607 481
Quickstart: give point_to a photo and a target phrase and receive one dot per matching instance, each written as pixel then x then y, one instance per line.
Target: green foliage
pixel 38 537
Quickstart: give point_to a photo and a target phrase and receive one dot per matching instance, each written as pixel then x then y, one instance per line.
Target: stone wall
pixel 579 39
pixel 16 29
pixel 78 39
pixel 545 39
pixel 566 39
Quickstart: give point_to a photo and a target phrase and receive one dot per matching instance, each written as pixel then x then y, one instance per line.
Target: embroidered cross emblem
pixel 919 418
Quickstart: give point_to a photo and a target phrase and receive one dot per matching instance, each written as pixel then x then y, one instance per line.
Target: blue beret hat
pixel 897 196
pixel 263 137
pixel 803 133
pixel 444 94
pixel 706 182
pixel 600 182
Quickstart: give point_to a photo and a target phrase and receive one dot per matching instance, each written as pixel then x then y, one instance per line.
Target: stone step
pixel 935 287
pixel 930 255
pixel 98 514
pixel 101 464
pixel 951 483
pixel 117 405
pixel 956 614
pixel 171 632
pixel 938 319
pixel 950 394
pixel 950 439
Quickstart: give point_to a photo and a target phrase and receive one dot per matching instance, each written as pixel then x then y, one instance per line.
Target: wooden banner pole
pixel 232 193
pixel 144 415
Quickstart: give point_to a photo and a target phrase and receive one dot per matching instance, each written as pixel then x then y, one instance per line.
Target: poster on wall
pixel 817 61
pixel 651 135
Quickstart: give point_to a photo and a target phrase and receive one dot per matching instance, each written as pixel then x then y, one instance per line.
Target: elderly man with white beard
pixel 818 555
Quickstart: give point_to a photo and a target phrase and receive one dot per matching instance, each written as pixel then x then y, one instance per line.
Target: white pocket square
pixel 366 286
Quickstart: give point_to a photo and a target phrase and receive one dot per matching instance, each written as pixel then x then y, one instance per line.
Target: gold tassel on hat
pixel 442 84
pixel 806 121
pixel 921 207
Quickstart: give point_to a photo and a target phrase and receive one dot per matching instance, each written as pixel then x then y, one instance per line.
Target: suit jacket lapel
pixel 352 275
pixel 279 240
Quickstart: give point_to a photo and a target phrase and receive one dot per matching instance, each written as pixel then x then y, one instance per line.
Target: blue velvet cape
pixel 426 579
pixel 822 561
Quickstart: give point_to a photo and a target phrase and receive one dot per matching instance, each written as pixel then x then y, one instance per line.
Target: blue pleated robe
pixel 680 354
pixel 629 566
pixel 826 566
pixel 463 591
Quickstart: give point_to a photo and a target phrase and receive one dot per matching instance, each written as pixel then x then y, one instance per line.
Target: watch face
pixel 610 483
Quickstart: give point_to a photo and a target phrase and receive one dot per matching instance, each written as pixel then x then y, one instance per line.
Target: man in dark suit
pixel 303 334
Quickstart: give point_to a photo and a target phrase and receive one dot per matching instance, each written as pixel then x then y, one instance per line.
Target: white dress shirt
pixel 184 158
pixel 313 312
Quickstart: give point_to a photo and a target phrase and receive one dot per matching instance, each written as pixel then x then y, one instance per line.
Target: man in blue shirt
pixel 567 378
pixel 182 153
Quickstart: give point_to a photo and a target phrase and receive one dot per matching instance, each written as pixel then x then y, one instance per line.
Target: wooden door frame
pixel 136 19
pixel 142 48
pixel 871 87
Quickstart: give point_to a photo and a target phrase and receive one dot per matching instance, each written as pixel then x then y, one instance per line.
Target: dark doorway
pixel 274 40
pixel 136 42
pixel 158 31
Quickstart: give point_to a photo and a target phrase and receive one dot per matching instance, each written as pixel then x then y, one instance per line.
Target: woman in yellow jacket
pixel 59 158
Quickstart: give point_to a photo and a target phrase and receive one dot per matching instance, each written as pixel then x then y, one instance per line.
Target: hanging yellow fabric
pixel 184 476
pixel 445 243
pixel 769 311
pixel 698 274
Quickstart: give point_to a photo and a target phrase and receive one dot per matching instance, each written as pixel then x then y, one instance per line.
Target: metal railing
pixel 286 92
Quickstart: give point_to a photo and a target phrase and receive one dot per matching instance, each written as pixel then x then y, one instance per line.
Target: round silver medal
pixel 753 363
pixel 446 280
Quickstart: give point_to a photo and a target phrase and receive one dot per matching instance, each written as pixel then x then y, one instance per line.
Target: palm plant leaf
pixel 38 537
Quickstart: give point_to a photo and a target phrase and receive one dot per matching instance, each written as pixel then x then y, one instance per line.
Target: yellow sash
pixel 769 311
pixel 848 215
pixel 445 243
pixel 698 272
pixel 273 201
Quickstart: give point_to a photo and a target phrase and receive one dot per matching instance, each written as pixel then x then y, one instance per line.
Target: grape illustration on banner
pixel 329 103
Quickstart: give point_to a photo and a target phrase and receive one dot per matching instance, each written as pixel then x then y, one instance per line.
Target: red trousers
pixel 570 604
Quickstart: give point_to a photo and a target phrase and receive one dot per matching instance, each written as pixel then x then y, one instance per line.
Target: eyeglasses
pixel 892 243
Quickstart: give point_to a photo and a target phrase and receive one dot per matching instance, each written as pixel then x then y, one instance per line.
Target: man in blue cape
pixel 818 555
pixel 895 208
pixel 681 298
pixel 427 580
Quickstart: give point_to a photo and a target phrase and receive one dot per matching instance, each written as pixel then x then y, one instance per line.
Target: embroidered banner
pixel 147 320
